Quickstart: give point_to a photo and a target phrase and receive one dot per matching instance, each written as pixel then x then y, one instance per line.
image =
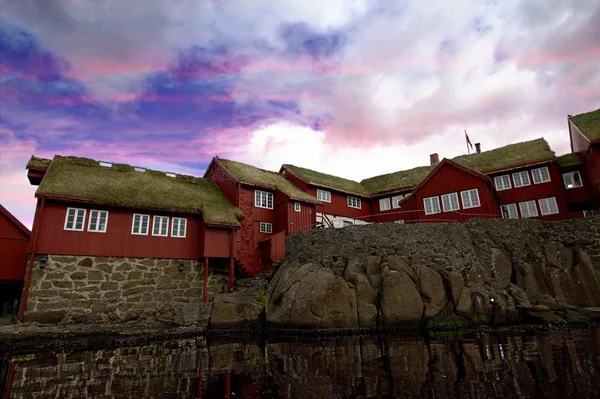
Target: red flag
pixel 468 141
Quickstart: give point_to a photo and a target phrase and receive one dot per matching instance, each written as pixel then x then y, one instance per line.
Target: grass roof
pixel 567 160
pixel 323 179
pixel 267 179
pixel 588 124
pixel 509 156
pixel 36 162
pixel 404 179
pixel 121 185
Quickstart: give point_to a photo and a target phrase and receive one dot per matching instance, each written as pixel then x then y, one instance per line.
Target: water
pixel 553 364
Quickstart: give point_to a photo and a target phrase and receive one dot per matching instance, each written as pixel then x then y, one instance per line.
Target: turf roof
pixel 567 160
pixel 323 179
pixel 588 124
pixel 266 179
pixel 36 162
pixel 396 181
pixel 121 185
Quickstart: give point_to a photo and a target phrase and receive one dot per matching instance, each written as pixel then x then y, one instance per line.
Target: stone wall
pixel 110 289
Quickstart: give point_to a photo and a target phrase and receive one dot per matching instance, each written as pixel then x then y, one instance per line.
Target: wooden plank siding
pixel 14 243
pixel 227 184
pixel 304 220
pixel 339 204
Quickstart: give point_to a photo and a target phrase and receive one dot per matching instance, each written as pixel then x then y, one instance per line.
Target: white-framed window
pixel 540 175
pixel 396 200
pixel 263 199
pixel 548 206
pixel 528 209
pixel 354 202
pixel 502 182
pixel 98 221
pixel 297 206
pixel 432 205
pixel 323 195
pixel 140 224
pixel 178 227
pixel 509 211
pixel 470 198
pixel 450 202
pixel 160 226
pixel 75 219
pixel 572 179
pixel 521 179
pixel 384 204
pixel 266 227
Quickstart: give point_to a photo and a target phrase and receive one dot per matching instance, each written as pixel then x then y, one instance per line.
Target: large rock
pixel 432 290
pixel 237 310
pixel 401 302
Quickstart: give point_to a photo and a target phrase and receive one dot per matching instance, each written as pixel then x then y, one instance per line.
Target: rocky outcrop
pixel 482 271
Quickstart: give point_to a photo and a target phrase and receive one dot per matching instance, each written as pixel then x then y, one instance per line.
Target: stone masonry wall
pixel 110 289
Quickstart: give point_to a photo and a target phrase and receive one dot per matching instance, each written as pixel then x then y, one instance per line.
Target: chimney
pixel 478 147
pixel 434 159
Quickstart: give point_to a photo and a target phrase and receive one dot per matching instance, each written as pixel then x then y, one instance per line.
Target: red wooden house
pixel 14 243
pixel 272 206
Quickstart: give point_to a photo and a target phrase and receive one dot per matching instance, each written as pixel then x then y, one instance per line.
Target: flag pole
pixel 467 142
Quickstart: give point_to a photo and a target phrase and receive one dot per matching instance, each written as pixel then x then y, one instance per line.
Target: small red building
pixel 14 243
pixel 272 207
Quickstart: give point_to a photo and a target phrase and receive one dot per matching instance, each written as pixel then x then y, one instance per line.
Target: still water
pixel 553 364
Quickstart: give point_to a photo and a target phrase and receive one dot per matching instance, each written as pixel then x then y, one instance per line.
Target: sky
pixel 353 88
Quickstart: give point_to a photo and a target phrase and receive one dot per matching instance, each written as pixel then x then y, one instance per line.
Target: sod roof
pixel 36 162
pixel 396 181
pixel 121 185
pixel 325 180
pixel 588 124
pixel 507 157
pixel 564 161
pixel 266 179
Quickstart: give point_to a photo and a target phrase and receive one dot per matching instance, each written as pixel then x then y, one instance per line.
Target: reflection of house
pixel 14 243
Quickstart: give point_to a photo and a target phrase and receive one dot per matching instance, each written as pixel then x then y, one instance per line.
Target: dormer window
pixel 105 164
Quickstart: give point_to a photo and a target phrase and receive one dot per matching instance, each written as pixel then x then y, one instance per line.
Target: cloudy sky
pixel 353 88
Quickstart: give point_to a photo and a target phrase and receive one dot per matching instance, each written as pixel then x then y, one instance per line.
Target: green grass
pixel 397 181
pixel 480 319
pixel 567 160
pixel 36 162
pixel 329 181
pixel 588 124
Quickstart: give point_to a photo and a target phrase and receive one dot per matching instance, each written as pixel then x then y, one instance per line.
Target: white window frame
pixel 522 180
pixel 323 195
pixel 470 199
pixel 77 211
pixel 95 229
pixel 502 182
pixel 450 207
pixel 396 199
pixel 548 201
pixel 160 218
pixel 385 204
pixel 528 205
pixel 139 232
pixel 541 177
pixel 512 212
pixel 177 221
pixel 430 200
pixel 297 207
pixel 262 199
pixel 266 227
pixel 571 176
pixel 354 202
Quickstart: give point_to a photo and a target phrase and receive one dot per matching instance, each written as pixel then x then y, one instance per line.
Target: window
pixel 384 204
pixel 75 219
pixel 450 202
pixel 572 179
pixel 509 211
pixel 528 209
pixel 548 206
pixel 521 179
pixel 98 221
pixel 161 226
pixel 140 224
pixel 354 202
pixel 470 198
pixel 502 182
pixel 178 227
pixel 540 175
pixel 396 200
pixel 323 195
pixel 432 205
pixel 266 227
pixel 263 199
pixel 297 206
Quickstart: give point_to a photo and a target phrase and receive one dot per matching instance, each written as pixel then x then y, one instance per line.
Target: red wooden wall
pixel 339 205
pixel 304 220
pixel 592 167
pixel 226 183
pixel 118 240
pixel 392 214
pixel 14 243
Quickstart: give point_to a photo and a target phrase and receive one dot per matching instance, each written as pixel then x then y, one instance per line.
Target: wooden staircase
pixel 323 222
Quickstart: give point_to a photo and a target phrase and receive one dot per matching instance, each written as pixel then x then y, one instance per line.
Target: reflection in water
pixel 547 365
